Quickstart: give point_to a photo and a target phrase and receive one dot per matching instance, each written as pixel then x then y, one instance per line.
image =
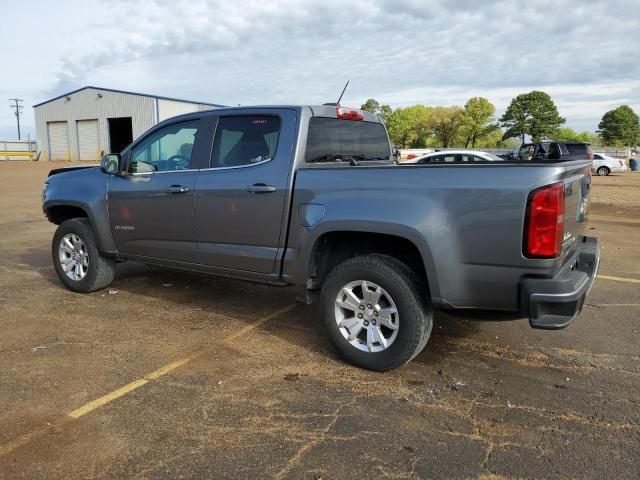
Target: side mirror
pixel 111 164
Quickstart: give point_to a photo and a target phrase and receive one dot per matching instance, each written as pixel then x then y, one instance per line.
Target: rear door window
pixel 337 140
pixel 245 140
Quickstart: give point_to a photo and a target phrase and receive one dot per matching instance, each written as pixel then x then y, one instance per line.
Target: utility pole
pixel 18 112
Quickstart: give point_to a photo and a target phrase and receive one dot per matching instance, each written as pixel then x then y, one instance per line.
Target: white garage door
pixel 88 147
pixel 58 140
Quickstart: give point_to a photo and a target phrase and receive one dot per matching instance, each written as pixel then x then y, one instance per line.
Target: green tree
pixel 400 125
pixel 421 115
pixel 409 126
pixel 477 120
pixel 620 127
pixel 532 114
pixel 374 106
pixel 444 124
pixel 570 135
pixel 494 140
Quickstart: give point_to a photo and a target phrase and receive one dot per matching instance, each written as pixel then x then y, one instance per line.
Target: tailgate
pixel 577 186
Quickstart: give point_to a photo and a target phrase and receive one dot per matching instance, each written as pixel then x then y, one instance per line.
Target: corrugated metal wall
pixel 89 105
pixel 96 104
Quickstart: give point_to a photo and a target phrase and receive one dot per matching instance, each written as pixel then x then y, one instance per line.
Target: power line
pixel 18 112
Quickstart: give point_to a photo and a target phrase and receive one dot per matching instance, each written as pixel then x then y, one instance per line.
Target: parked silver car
pixel 455 156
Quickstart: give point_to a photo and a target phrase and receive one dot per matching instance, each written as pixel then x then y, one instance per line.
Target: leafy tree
pixel 620 127
pixel 477 120
pixel 374 106
pixel 570 135
pixel 400 125
pixel 533 114
pixel 494 139
pixel 421 115
pixel 409 126
pixel 371 105
pixel 385 111
pixel 444 124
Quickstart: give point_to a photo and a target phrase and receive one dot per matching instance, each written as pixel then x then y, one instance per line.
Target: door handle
pixel 177 189
pixel 260 188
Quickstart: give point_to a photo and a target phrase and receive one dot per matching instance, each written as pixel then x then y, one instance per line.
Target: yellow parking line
pixel 99 402
pixel 618 279
pixel 130 387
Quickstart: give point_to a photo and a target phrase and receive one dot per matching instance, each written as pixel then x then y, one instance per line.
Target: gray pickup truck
pixel 309 196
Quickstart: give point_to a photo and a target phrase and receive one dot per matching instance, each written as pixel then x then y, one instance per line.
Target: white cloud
pixel 397 51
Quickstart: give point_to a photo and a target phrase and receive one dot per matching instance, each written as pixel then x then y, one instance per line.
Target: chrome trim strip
pixel 163 171
pixel 237 166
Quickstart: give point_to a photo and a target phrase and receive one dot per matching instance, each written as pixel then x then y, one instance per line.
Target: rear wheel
pixel 77 259
pixel 603 171
pixel 376 312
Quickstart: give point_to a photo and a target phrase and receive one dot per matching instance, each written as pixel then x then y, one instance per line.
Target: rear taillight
pixel 349 114
pixel 589 153
pixel 544 223
pixel 621 163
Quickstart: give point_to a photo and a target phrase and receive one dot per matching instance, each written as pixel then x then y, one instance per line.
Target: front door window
pixel 168 149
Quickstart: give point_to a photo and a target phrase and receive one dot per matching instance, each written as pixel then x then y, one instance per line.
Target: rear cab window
pixel 577 148
pixel 338 140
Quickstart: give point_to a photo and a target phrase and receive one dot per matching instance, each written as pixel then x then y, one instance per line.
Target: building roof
pixel 128 93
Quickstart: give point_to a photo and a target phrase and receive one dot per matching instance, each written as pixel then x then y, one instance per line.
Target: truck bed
pixel 466 220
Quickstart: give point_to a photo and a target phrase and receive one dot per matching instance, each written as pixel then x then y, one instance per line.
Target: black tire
pixel 100 270
pixel 410 295
pixel 603 171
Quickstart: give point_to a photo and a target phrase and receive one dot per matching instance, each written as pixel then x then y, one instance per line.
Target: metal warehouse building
pixel 86 123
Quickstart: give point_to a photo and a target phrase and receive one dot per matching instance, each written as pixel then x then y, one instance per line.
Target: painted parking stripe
pixel 130 387
pixel 618 279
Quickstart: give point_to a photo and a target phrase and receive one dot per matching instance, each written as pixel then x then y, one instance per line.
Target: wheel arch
pixel 333 247
pixel 58 212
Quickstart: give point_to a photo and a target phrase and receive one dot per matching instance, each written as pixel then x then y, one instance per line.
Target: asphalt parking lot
pixel 169 375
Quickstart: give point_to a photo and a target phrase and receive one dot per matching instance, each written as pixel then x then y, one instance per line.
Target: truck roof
pixel 328 111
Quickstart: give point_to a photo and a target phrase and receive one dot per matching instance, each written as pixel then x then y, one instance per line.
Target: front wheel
pixel 77 260
pixel 603 171
pixel 376 312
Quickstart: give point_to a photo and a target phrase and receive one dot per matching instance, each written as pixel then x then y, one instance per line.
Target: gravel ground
pixel 224 379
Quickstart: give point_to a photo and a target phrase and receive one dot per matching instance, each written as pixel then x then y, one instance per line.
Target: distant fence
pixel 18 150
pixel 617 152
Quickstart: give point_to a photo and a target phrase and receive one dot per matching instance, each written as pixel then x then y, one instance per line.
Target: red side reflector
pixel 544 227
pixel 349 114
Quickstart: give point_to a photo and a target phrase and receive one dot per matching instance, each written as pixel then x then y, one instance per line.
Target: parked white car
pixel 603 165
pixel 455 156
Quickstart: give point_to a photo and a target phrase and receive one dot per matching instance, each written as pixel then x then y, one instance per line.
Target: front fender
pixel 86 189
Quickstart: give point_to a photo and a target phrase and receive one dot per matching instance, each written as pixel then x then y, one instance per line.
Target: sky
pixel 585 54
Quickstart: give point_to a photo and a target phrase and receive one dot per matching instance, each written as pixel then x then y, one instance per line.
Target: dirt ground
pixel 173 376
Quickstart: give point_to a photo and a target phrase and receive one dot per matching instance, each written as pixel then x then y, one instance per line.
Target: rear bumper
pixel 553 303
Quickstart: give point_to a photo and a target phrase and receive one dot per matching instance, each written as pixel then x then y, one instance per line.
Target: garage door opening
pixel 120 133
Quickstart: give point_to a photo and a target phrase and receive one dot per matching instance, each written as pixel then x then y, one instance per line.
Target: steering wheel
pixel 178 162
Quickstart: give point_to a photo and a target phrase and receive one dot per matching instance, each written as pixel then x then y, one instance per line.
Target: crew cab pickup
pixel 310 196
